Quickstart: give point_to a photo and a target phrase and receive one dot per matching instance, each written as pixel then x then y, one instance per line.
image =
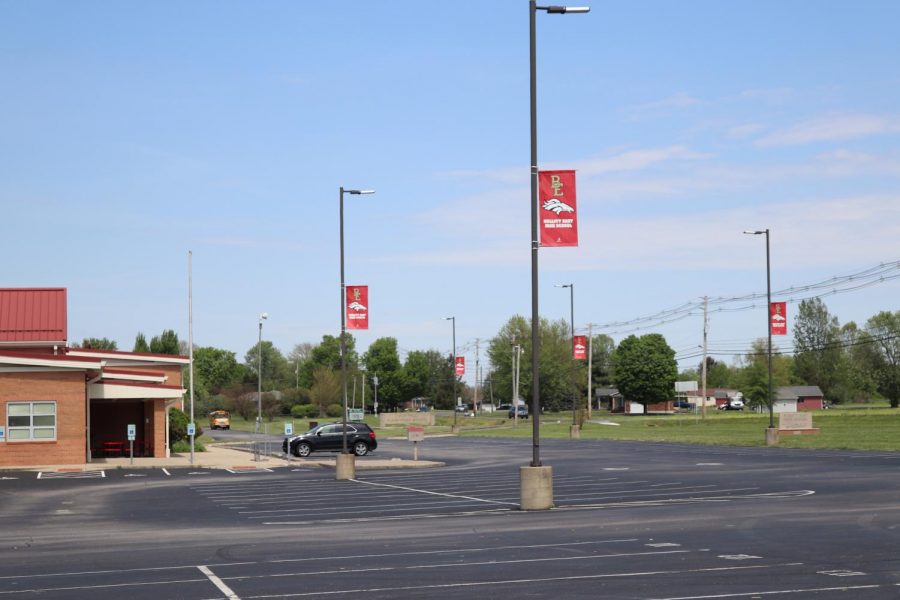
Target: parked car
pixel 732 404
pixel 684 404
pixel 329 438
pixel 462 408
pixel 503 407
pixel 522 409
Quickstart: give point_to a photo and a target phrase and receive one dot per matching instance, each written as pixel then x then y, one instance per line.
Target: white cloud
pixel 663 107
pixel 832 128
pixel 629 160
pixel 744 131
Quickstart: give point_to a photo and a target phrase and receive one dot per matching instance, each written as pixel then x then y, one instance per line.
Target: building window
pixel 30 421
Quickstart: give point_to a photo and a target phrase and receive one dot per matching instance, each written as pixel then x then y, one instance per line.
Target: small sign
pixel 415 434
pixel 132 432
pixel 192 429
pixel 354 414
pixel 288 429
pixel 2 434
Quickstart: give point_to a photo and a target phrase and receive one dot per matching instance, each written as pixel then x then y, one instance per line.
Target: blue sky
pixel 131 133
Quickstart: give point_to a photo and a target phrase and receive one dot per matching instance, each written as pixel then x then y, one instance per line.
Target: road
pixel 633 521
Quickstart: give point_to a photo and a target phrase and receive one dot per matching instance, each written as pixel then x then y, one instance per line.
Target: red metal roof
pixel 33 315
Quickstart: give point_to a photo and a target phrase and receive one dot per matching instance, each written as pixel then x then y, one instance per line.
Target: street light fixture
pixel 344 449
pixel 769 400
pixel 537 496
pixel 571 287
pixel 535 240
pixel 453 404
pixel 262 317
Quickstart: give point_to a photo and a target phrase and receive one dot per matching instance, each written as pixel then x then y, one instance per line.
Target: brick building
pixel 61 405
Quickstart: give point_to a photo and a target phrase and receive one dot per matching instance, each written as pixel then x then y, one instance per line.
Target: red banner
pixel 579 347
pixel 558 217
pixel 460 365
pixel 357 307
pixel 778 318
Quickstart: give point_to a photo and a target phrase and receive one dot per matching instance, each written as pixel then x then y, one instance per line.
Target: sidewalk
pixel 220 457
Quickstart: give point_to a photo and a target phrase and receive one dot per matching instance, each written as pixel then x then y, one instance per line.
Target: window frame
pixel 31 428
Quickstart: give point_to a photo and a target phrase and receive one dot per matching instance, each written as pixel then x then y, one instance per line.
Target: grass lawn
pixel 853 428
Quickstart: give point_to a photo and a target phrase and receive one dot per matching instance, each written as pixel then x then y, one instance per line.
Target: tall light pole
pixel 262 317
pixel 571 287
pixel 770 400
pixel 541 499
pixel 455 412
pixel 344 449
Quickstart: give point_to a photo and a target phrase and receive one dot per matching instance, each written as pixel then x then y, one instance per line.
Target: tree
pixel 276 372
pixel 325 389
pixel 98 344
pixel 817 346
pixel 884 353
pixel 601 363
pixel 216 369
pixel 140 343
pixel 752 378
pixel 645 369
pixel 328 354
pixel 382 359
pixel 429 374
pixel 555 363
pixel 165 343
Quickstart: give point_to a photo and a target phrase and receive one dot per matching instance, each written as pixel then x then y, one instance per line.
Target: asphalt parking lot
pixel 632 520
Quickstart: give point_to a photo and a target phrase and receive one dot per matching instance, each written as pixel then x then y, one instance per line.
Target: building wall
pixel 810 403
pixel 67 389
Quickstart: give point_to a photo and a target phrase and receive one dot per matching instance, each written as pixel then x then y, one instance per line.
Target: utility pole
pixel 475 394
pixel 703 367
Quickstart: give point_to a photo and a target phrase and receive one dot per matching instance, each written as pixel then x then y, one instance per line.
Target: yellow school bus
pixel 219 419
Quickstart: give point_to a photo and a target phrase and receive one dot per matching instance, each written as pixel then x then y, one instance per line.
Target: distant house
pixel 612 400
pixel 798 398
pixel 607 397
pixel 724 395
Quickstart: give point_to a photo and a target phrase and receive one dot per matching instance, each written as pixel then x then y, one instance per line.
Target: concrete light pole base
pixel 345 467
pixel 536 488
pixel 454 429
pixel 771 436
pixel 574 432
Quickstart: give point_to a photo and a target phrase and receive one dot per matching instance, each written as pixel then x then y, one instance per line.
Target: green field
pixel 867 428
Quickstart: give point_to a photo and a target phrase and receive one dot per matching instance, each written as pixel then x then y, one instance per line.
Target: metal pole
pixel 455 378
pixel 572 329
pixel 769 329
pixel 535 317
pixel 590 400
pixel 343 340
pixel 259 386
pixel 190 345
pixel 703 368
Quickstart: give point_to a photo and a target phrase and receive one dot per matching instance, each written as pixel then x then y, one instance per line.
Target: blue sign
pixel 288 429
pixel 132 432
pixel 192 429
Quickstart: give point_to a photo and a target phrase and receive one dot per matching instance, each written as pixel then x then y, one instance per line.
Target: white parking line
pixel 506 582
pixel 229 593
pixel 409 489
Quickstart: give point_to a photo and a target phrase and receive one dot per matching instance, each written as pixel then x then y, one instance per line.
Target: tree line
pixel 849 363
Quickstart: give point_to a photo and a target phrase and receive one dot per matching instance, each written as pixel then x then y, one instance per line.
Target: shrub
pixel 178 422
pixel 304 411
pixel 184 446
pixel 334 410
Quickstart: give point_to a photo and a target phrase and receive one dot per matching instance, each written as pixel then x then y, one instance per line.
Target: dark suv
pixel 329 438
